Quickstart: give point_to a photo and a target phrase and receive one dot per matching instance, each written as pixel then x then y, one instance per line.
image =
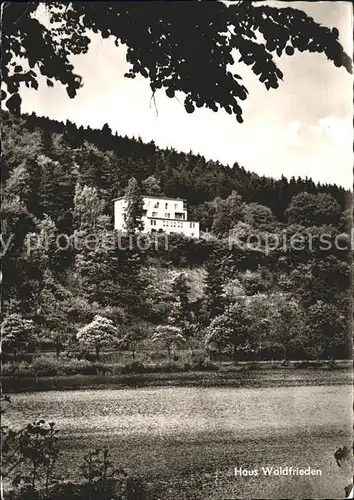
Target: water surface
pixel 187 441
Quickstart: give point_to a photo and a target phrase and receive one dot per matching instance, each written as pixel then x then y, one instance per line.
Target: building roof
pixel 154 197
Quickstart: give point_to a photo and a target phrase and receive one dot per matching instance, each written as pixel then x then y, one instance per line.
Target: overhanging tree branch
pixel 184 47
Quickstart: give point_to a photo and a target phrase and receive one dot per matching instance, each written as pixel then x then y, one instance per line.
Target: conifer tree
pixel 134 208
pixel 180 311
pixel 214 292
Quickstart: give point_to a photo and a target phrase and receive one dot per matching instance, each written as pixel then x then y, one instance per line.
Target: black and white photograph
pixel 176 250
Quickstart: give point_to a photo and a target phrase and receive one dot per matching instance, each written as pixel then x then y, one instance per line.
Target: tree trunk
pixel 133 353
pixel 34 475
pixel 285 354
pixel 97 348
pixel 333 354
pixel 169 352
pixel 234 352
pixel 219 355
pixel 57 348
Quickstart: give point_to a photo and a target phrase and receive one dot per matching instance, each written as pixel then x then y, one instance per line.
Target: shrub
pixel 45 367
pixel 8 370
pixel 202 364
pixel 134 367
pixel 21 369
pixel 9 357
pixel 302 364
pixel 78 366
pixel 253 366
pixel 157 355
pixel 86 355
pixel 169 367
pixel 333 365
pixel 316 364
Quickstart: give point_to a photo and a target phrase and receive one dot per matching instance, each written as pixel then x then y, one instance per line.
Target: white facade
pixel 161 214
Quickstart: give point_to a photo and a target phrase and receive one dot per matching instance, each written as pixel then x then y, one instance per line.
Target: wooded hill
pixel 60 179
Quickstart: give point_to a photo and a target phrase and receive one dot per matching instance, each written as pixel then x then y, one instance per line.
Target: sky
pixel 303 128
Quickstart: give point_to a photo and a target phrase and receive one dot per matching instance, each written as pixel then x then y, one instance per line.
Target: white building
pixel 161 214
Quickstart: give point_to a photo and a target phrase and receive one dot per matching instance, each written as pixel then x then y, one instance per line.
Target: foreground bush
pixel 29 459
pixel 130 488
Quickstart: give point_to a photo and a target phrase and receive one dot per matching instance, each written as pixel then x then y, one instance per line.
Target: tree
pixel 132 338
pixel 230 329
pixel 260 325
pixel 88 208
pixel 17 333
pixel 151 186
pixel 169 336
pixel 16 222
pixel 214 292
pixel 218 334
pixel 158 37
pixel 180 315
pixel 233 289
pixel 18 184
pixel 54 173
pixel 258 216
pixel 326 327
pixel 97 334
pixel 41 245
pixel 228 213
pixel 96 261
pixel 313 210
pixel 134 207
pixel 54 303
pixel 287 321
pixel 255 282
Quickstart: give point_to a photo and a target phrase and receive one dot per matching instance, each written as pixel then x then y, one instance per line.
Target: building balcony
pixel 159 224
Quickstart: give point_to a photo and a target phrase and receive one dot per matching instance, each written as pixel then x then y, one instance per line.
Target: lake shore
pixel 263 374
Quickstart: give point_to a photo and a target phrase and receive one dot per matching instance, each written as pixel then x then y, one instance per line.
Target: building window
pixel 154 214
pixel 144 213
pixel 166 205
pixel 156 205
pixel 176 206
pixel 153 222
pixel 192 224
pixel 167 215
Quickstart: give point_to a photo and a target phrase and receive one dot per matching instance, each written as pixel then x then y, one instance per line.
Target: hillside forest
pixel 224 301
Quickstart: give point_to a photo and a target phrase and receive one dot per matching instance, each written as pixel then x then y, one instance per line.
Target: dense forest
pixel 236 301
